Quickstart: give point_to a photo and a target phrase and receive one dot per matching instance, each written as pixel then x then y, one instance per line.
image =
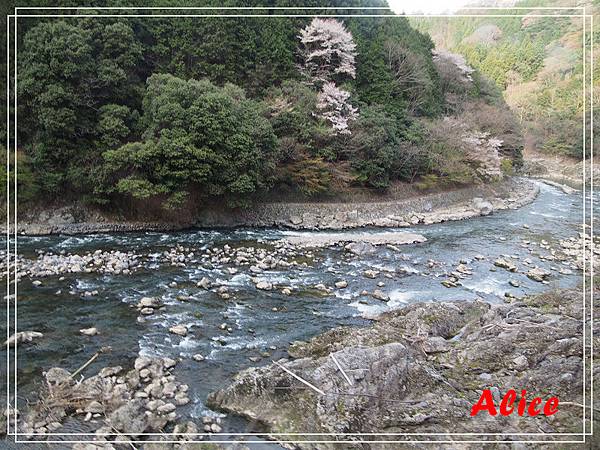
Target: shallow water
pixel 256 327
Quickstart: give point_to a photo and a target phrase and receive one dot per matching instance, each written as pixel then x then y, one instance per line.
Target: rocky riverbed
pixel 218 302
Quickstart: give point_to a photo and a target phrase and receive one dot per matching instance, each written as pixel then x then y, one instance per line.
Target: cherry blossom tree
pixel 333 105
pixel 328 55
pixel 327 51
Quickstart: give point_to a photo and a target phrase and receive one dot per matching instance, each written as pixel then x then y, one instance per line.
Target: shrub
pixel 310 176
pixel 507 167
pixel 27 186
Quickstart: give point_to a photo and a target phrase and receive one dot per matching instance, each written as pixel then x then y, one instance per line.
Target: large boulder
pixel 129 418
pixel 484 207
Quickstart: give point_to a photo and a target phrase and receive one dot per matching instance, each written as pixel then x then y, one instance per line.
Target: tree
pixel 333 105
pixel 382 149
pixel 68 75
pixel 410 72
pixel 199 138
pixel 375 82
pixel 327 51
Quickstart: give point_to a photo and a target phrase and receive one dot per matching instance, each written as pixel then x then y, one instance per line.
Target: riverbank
pixel 559 169
pixel 439 207
pixel 420 369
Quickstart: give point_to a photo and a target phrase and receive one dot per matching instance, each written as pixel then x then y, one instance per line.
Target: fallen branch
pixel 91 360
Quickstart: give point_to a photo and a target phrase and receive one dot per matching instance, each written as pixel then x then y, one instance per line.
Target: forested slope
pixel 172 112
pixel 536 61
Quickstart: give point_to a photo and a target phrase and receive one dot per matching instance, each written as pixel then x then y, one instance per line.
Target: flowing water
pixel 256 327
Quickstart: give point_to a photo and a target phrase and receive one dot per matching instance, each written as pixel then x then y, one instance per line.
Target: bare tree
pixel 409 72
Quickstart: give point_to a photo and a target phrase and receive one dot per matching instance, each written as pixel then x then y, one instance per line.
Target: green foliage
pixel 177 110
pixel 27 187
pixel 428 182
pixel 115 125
pixel 292 111
pixel 507 167
pixel 500 62
pixel 252 52
pixel 380 149
pixel 311 176
pixel 537 64
pixel 74 81
pixel 446 157
pixel 375 82
pixel 198 137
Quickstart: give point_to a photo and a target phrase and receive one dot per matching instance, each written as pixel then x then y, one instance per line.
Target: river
pixel 263 323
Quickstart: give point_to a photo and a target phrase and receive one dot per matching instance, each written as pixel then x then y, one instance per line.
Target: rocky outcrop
pixel 420 369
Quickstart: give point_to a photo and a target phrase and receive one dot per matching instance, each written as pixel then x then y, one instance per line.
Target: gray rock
pixel 166 408
pixel 141 362
pixel 23 337
pixel 94 407
pixel 380 295
pixel 505 264
pixel 110 371
pixel 89 331
pixel 264 286
pixel 360 248
pixel 204 283
pixel 485 208
pixel 129 418
pixel 520 362
pixel 180 330
pixel 149 302
pixel 295 220
pixel 436 344
pixel 56 376
pixel 538 274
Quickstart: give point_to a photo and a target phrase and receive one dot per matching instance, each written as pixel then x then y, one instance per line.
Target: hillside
pixel 537 62
pixel 144 114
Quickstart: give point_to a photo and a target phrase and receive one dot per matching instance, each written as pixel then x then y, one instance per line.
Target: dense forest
pixel 536 61
pixel 174 111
